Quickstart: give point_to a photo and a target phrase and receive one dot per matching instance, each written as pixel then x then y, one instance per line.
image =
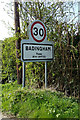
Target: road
pixel 7 117
pixel 2 116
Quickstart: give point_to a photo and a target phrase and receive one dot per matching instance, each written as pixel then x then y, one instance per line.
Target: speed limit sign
pixel 38 31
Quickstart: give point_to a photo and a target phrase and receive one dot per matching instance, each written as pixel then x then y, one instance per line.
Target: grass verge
pixel 29 103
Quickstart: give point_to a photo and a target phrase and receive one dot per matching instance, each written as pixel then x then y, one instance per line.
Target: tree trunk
pixel 17 32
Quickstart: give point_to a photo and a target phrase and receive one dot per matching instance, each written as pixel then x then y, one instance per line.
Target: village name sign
pixel 37 48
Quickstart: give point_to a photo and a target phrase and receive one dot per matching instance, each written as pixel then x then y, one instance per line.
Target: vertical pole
pixel 46 74
pixel 79 56
pixel 23 75
pixel 17 32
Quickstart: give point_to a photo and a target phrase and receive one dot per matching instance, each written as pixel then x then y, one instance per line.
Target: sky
pixel 4 18
pixel 5 28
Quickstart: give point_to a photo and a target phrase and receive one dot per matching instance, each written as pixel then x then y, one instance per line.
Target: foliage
pixel 63 71
pixel 31 103
pixel 9 59
pixel 62 30
pixel 0 58
pixel 35 74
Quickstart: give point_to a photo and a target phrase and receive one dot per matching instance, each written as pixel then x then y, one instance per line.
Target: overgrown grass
pixel 29 103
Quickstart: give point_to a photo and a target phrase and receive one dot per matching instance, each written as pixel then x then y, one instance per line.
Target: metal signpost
pixel 23 75
pixel 37 48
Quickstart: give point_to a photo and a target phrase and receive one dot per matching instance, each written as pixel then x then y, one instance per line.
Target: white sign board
pixel 37 52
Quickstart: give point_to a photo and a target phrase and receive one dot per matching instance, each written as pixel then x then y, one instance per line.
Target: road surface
pixel 2 116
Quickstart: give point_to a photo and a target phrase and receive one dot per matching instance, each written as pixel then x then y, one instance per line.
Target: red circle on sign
pixel 32 32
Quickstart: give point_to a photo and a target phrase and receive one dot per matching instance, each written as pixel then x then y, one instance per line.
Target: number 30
pixel 41 31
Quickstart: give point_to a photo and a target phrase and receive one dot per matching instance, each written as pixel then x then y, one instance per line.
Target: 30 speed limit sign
pixel 38 31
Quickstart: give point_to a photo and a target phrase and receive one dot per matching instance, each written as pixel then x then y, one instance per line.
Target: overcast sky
pixel 5 28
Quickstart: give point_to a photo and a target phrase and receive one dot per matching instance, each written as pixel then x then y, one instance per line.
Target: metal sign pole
pixel 23 83
pixel 45 74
